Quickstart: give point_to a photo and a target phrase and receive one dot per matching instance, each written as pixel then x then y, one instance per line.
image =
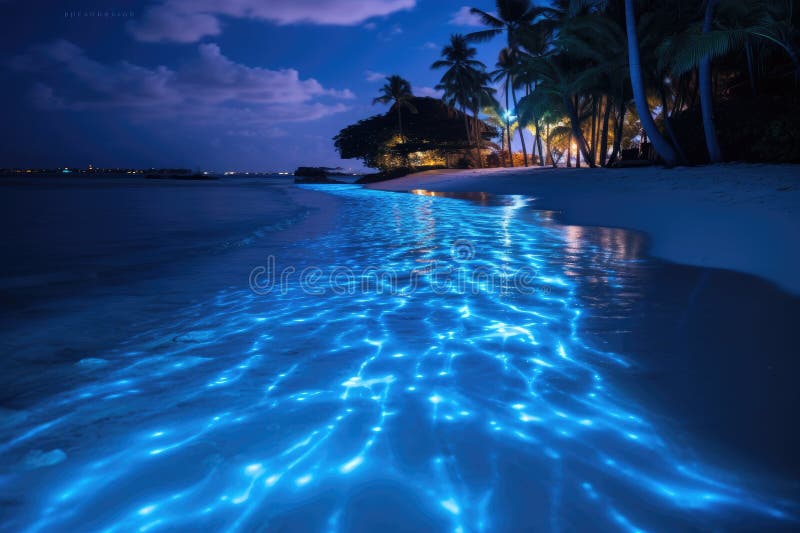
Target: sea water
pixel 429 363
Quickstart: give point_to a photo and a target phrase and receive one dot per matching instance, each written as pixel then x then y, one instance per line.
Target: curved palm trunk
pixel 508 130
pixel 662 147
pixel 707 95
pixel 519 126
pixel 668 125
pixel 539 142
pixel 604 135
pixel 580 140
pixel 547 143
pixel 594 134
pixel 537 138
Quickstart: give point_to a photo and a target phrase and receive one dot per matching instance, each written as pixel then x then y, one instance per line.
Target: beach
pixel 736 216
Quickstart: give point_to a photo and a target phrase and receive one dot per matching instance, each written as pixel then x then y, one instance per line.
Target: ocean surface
pixel 178 356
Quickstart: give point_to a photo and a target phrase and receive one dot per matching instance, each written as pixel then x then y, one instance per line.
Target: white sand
pixel 738 217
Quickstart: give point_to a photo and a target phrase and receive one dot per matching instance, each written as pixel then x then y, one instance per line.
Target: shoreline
pixel 738 217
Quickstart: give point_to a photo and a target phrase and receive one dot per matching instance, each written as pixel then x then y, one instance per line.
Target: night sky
pixel 253 85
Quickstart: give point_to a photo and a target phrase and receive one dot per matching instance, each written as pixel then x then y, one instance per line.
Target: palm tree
pixel 599 39
pixel 661 145
pixel 728 26
pixel 560 80
pixel 706 92
pixel 506 66
pixel 513 17
pixel 397 91
pixel 462 82
pixel 497 116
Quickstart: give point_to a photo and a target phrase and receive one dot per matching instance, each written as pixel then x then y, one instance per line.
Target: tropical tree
pixel 599 39
pixel 559 80
pixel 579 65
pixel 397 91
pixel 506 68
pixel 514 18
pixel 728 26
pixel 661 145
pixel 463 84
pixel 707 93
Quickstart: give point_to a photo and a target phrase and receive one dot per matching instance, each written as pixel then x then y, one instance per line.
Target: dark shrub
pixel 765 129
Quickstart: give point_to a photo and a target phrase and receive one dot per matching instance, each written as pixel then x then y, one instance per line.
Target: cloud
pixel 428 91
pixel 191 20
pixel 166 23
pixel 463 17
pixel 390 33
pixel 430 46
pixel 372 76
pixel 210 88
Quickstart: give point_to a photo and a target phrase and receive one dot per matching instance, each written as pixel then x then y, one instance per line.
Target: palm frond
pixel 483 35
pixel 487 18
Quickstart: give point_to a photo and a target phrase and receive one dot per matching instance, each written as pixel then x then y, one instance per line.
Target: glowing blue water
pixel 433 408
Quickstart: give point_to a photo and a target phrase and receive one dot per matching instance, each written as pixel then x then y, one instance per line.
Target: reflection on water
pixel 423 409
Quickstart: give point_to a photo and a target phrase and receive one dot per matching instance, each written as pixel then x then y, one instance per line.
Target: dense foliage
pixel 679 67
pixel 434 130
pixel 596 81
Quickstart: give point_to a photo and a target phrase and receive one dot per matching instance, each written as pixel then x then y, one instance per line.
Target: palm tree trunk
pixel 599 125
pixel 539 142
pixel 604 135
pixel 468 130
pixel 478 138
pixel 569 152
pixel 547 144
pixel 593 149
pixel 707 93
pixel 660 144
pixel 519 125
pixel 508 129
pixel 668 125
pixel 618 126
pixel 580 140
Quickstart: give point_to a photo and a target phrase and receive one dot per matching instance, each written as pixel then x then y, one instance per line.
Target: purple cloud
pixel 210 89
pixel 463 17
pixel 372 76
pixel 191 20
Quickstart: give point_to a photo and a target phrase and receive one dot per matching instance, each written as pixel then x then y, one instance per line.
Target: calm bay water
pixel 602 390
